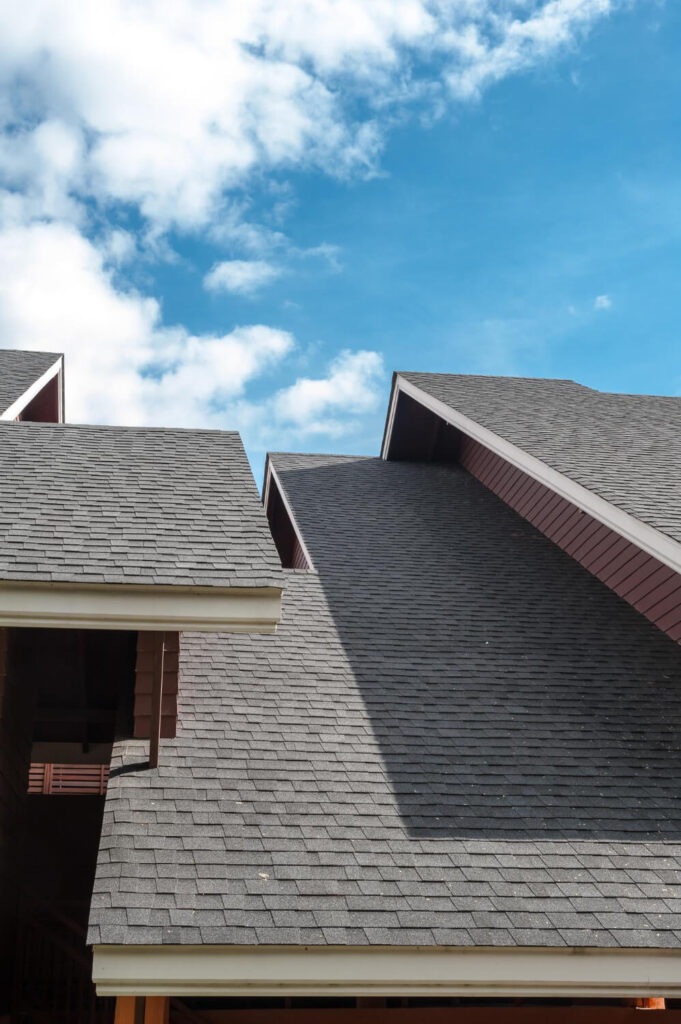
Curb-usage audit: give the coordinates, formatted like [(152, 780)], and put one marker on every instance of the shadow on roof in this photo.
[(511, 693)]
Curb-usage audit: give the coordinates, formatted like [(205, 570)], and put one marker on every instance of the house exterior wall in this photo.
[(143, 685), (646, 583)]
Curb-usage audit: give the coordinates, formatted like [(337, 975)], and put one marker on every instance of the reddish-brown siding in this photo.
[(143, 681), (651, 587), (44, 407)]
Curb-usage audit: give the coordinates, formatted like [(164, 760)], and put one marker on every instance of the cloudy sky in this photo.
[(245, 215)]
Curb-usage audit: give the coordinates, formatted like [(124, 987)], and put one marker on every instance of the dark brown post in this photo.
[(157, 1010), (156, 699), (127, 1009)]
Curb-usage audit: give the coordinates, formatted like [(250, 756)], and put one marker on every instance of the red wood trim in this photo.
[(68, 779), (156, 698), (157, 1010), (640, 579), (143, 685), (125, 1010)]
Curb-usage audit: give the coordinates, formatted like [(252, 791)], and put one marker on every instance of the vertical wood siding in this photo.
[(143, 685), (651, 587)]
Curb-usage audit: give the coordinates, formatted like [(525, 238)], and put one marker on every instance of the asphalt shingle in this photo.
[(456, 736), (131, 505), (19, 370), (624, 448)]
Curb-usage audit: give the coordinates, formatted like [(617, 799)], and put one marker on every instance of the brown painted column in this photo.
[(157, 1010), (156, 699), (129, 1010)]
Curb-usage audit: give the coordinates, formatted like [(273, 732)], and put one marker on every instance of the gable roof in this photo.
[(624, 448), (113, 507), (131, 505), (457, 737), (19, 370)]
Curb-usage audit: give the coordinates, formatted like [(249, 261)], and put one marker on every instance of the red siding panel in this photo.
[(143, 685), (649, 586)]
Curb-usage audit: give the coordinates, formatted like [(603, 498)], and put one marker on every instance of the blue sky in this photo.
[(421, 188)]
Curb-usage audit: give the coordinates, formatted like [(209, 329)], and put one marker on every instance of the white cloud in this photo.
[(161, 115), (169, 106), (318, 406), (506, 38), (241, 277), (602, 302), (123, 364)]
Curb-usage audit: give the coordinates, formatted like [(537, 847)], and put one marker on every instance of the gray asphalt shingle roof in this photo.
[(625, 448), (131, 505), (19, 370), (457, 736)]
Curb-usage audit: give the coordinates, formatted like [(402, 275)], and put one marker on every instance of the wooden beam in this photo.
[(650, 1003), (126, 1010), (156, 699), (157, 1010)]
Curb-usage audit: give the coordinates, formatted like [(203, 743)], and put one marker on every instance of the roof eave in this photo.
[(18, 406), (98, 606), (646, 537), (421, 971)]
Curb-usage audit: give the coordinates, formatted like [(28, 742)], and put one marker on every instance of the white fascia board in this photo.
[(20, 404), (205, 609), (271, 475), (645, 537), (385, 971)]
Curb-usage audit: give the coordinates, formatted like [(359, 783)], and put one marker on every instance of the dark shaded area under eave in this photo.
[(511, 693)]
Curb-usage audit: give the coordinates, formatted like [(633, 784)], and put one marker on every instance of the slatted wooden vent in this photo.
[(68, 779)]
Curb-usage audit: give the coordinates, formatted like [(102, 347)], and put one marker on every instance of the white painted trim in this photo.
[(207, 609), (271, 474), (645, 537), (385, 971), (20, 404)]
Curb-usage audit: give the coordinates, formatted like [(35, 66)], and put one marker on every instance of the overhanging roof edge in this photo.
[(213, 970), (648, 538), (100, 606)]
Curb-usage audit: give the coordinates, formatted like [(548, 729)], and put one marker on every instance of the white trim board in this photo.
[(205, 609), (385, 971), (271, 474), (20, 404), (645, 537)]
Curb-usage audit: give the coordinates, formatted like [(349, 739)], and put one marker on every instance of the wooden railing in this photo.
[(68, 779)]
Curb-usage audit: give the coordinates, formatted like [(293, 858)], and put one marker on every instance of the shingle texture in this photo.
[(128, 505), (457, 736), (19, 370), (625, 448)]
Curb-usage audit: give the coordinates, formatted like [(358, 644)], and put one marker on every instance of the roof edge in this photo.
[(646, 537), (271, 476), (116, 606), (17, 407), (501, 971)]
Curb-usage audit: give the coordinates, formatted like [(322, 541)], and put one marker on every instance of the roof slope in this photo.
[(457, 736), (18, 370), (84, 504), (625, 448)]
